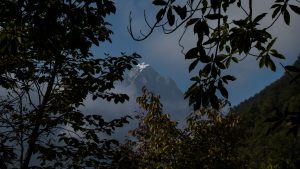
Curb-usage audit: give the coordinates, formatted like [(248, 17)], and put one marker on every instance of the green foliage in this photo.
[(207, 142), (221, 40), (157, 134), (46, 72)]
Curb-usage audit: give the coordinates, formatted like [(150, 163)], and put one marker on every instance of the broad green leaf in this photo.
[(235, 59), (296, 9), (229, 77), (271, 44), (227, 48), (220, 65), (241, 23), (272, 65), (259, 17), (204, 58), (193, 65), (222, 90), (286, 16), (192, 54), (239, 3), (276, 11), (276, 54), (214, 71), (159, 2), (181, 11), (204, 8), (160, 14), (207, 69), (205, 28), (191, 21), (170, 17), (198, 28), (262, 62), (213, 16), (220, 57), (275, 6), (214, 102), (195, 78)]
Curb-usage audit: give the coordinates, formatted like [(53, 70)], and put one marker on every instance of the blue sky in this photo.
[(163, 53)]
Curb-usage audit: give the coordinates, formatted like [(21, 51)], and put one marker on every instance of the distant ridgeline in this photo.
[(276, 149), (170, 94)]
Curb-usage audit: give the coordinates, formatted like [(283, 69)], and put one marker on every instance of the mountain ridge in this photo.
[(276, 149)]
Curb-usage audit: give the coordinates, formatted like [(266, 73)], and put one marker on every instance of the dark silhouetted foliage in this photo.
[(46, 73)]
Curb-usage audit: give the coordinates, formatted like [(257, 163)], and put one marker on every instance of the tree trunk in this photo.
[(39, 115)]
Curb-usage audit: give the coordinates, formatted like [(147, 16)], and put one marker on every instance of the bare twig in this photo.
[(179, 41), (156, 25)]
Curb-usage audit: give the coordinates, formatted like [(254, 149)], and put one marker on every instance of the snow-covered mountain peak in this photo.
[(142, 66)]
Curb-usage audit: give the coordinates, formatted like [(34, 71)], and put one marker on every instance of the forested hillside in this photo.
[(278, 148)]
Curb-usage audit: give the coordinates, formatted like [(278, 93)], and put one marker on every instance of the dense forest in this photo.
[(269, 144)]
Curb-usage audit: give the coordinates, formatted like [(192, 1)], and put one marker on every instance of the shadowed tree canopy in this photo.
[(46, 72)]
